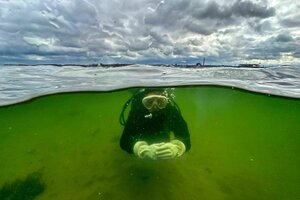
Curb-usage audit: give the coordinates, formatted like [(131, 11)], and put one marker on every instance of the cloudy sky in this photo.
[(150, 31)]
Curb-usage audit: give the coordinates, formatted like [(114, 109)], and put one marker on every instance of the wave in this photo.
[(21, 83)]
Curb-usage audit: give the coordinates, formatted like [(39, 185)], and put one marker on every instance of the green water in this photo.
[(244, 146)]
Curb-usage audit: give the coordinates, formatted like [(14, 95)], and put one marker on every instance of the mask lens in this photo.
[(162, 102), (148, 102), (159, 100)]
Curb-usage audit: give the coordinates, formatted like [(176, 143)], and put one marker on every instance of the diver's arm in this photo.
[(130, 133), (180, 128), (128, 138)]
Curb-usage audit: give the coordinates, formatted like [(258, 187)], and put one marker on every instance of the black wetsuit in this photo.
[(156, 129)]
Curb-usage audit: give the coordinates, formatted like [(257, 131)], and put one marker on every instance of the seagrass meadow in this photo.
[(245, 145)]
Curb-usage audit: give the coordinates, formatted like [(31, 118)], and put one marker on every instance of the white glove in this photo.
[(172, 149), (143, 150)]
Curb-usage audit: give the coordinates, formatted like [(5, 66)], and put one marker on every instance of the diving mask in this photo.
[(155, 102)]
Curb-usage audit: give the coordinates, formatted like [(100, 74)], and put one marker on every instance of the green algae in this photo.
[(244, 146)]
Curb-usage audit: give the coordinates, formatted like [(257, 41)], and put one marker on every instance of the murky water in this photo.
[(244, 146)]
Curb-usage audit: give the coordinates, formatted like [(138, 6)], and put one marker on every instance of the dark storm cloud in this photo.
[(144, 30), (238, 9), (284, 37), (201, 28), (261, 26), (250, 9), (205, 18), (212, 10), (170, 14), (291, 22), (47, 28), (275, 47), (297, 54)]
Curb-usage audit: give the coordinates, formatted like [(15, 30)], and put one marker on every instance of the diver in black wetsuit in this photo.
[(155, 128)]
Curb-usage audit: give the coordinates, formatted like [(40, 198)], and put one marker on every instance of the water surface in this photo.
[(20, 83)]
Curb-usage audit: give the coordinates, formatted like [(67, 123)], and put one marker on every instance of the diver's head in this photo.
[(155, 99)]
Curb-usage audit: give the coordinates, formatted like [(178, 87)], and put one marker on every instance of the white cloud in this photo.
[(150, 31), (38, 41)]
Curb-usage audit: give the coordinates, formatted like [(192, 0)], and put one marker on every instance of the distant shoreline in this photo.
[(122, 65)]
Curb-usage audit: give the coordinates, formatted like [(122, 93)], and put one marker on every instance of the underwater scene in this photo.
[(244, 145), (149, 99)]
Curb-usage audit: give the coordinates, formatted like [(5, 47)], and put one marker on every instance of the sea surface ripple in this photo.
[(20, 83)]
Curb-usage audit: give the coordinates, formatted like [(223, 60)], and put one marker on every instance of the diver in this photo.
[(155, 128)]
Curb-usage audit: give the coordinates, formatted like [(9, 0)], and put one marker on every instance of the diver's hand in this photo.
[(142, 150), (169, 150)]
